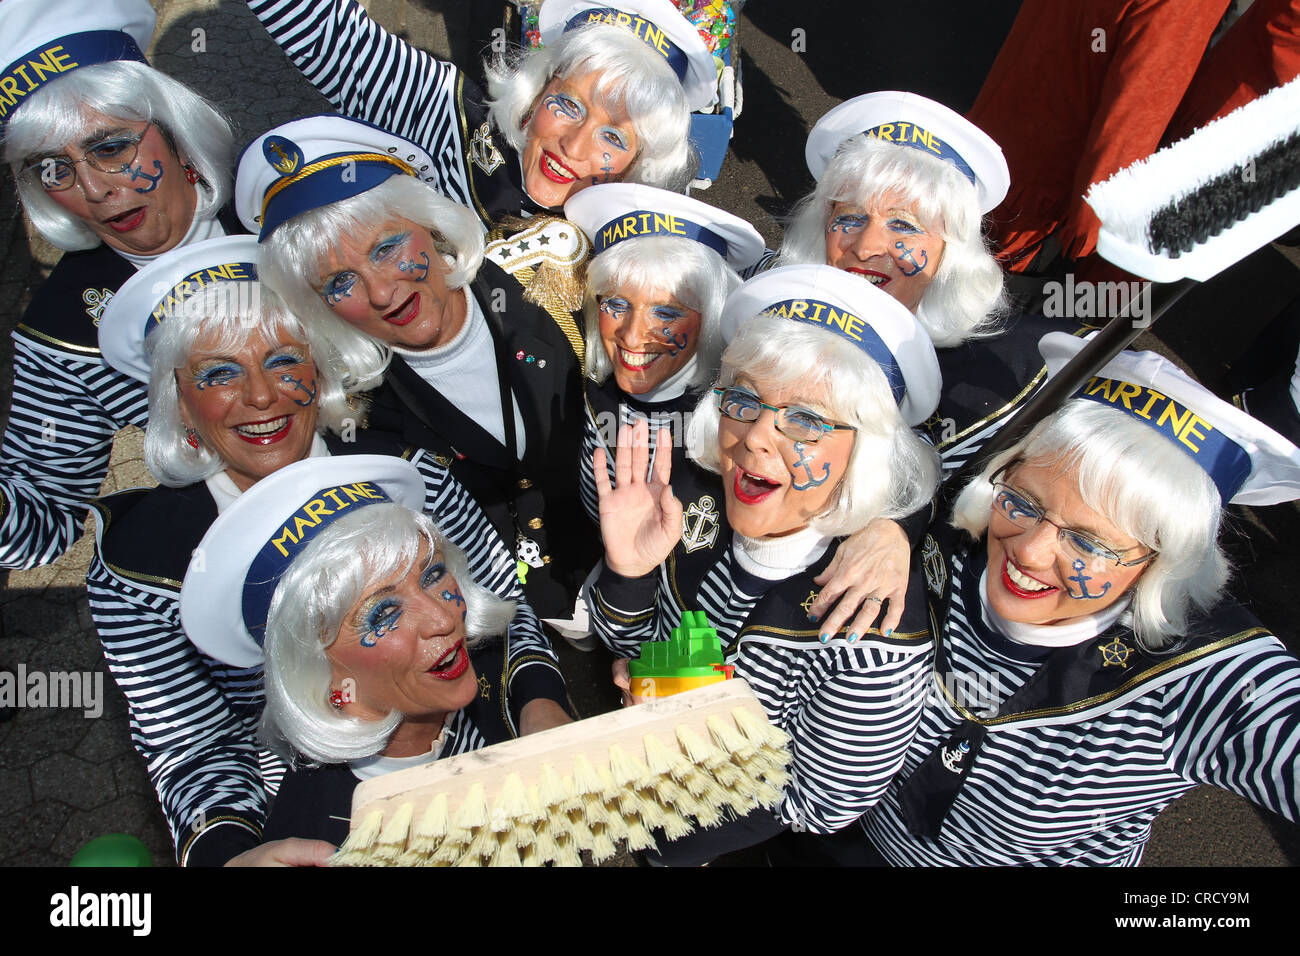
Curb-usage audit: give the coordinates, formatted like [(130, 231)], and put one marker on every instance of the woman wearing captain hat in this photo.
[(902, 184), (239, 388), (1094, 670), (361, 245), (608, 98), (116, 163), (809, 429)]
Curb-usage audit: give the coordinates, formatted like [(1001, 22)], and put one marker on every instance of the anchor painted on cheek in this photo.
[(138, 173), (676, 343), (607, 169), (411, 266), (300, 386), (455, 598), (1083, 580), (804, 462), (908, 257)]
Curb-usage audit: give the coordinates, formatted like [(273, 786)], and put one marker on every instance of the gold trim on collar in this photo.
[(83, 349), (1144, 677)]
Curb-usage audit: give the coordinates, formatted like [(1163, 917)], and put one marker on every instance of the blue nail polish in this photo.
[(813, 618), (825, 638), (889, 633), (853, 638)]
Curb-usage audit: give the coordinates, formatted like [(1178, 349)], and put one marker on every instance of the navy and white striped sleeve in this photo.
[(532, 669), (624, 611), (198, 744), (850, 731), (371, 75), (54, 457), (1236, 725)]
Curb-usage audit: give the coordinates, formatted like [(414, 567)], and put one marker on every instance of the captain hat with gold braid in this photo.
[(315, 161)]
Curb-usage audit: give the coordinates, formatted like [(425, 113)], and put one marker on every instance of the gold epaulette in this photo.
[(548, 257)]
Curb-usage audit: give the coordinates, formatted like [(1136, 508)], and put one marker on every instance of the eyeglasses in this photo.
[(1026, 514), (792, 421), (112, 155)]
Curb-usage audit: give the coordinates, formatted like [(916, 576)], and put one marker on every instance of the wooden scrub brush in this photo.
[(671, 764)]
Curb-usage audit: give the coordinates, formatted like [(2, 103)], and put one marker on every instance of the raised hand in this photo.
[(640, 518)]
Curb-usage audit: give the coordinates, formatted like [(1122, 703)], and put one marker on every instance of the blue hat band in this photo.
[(27, 74), (857, 330), (644, 222), (652, 36), (298, 531), (196, 282), (903, 133), (322, 182), (1226, 462)]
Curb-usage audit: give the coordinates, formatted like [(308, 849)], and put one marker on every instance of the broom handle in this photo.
[(1113, 338)]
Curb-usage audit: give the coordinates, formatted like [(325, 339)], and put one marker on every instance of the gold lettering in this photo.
[(316, 509), (1145, 410), (62, 61), (285, 533), (1169, 414), (21, 70), (10, 86), (853, 327), (1190, 429), (1126, 390), (333, 495), (299, 523), (798, 310)]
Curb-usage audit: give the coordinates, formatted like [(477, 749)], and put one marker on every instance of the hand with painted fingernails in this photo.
[(640, 518), (867, 577)]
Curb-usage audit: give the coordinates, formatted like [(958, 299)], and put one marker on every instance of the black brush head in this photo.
[(1225, 200)]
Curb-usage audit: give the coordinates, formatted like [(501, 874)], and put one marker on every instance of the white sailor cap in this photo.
[(235, 570), (907, 119), (844, 305), (614, 212), (154, 292), (656, 23), (40, 40), (313, 162), (1249, 462)]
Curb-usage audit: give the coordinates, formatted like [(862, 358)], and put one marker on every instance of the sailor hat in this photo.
[(907, 119), (844, 305), (1250, 463), (155, 291), (313, 162), (44, 39), (614, 212), (657, 23), (235, 570)]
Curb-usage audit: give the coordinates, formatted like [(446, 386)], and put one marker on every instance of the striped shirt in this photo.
[(372, 75), (194, 719), (850, 709), (1084, 787), (67, 405)]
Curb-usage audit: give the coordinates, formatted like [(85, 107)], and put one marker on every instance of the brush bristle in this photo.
[(672, 783)]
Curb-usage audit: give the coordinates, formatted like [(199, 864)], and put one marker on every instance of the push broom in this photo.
[(669, 764), (1178, 217)]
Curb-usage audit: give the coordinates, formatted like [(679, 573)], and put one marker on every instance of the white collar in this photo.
[(674, 386), (369, 767), (775, 559)]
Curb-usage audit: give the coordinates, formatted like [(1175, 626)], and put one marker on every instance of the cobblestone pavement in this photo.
[(65, 778)]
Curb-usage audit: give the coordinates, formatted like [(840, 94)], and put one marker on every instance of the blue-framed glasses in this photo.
[(793, 421)]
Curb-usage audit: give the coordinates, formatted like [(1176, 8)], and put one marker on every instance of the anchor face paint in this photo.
[(247, 404), (886, 243), (648, 336), (572, 142), (774, 484), (145, 210), (390, 283), (1032, 578), (403, 644)]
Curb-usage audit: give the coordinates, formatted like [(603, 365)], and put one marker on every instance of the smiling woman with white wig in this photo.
[(808, 428)]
